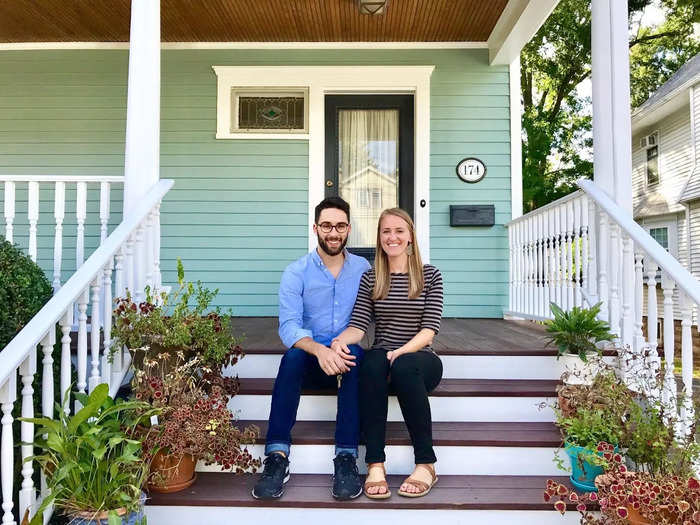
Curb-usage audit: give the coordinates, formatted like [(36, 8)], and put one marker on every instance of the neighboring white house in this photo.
[(666, 169)]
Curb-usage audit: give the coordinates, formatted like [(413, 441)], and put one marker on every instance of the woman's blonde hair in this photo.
[(381, 262)]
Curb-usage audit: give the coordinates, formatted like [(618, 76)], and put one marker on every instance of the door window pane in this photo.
[(368, 169)]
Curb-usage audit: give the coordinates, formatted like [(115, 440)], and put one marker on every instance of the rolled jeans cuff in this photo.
[(346, 450), (277, 447)]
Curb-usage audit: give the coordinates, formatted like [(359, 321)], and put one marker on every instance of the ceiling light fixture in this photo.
[(372, 7)]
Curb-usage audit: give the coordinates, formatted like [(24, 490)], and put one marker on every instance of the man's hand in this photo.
[(334, 361)]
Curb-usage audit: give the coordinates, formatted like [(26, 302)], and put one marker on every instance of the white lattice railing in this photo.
[(129, 258), (583, 249), (30, 188)]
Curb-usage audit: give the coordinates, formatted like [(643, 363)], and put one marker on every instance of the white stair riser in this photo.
[(476, 461), (490, 409), (454, 367), (158, 515)]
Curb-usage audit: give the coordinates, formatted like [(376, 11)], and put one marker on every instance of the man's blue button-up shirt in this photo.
[(315, 304)]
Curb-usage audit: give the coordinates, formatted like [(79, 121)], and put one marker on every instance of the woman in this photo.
[(404, 297)]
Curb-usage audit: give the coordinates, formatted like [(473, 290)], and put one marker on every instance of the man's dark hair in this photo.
[(332, 202)]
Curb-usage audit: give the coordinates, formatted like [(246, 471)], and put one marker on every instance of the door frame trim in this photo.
[(404, 104), (346, 80)]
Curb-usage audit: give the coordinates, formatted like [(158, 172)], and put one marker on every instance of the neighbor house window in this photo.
[(652, 161), (660, 235)]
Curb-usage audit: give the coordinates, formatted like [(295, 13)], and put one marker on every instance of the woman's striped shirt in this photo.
[(398, 319)]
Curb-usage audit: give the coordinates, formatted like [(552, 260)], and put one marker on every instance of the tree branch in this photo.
[(647, 38)]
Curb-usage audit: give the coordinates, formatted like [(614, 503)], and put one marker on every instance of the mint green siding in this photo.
[(238, 212)]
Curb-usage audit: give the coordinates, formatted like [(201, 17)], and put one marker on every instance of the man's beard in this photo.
[(331, 251)]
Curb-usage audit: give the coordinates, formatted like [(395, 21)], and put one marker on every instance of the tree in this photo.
[(556, 118)]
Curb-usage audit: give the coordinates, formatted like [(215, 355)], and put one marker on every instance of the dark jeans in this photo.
[(301, 370), (412, 376)]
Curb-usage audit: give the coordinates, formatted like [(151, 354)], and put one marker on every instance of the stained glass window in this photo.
[(260, 112)]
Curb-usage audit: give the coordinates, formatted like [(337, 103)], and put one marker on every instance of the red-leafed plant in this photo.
[(655, 499)]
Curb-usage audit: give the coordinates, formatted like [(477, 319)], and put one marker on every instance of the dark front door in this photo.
[(369, 160)]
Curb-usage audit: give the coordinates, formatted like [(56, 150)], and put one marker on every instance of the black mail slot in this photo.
[(472, 215)]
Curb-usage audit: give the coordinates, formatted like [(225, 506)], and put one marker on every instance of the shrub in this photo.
[(24, 289)]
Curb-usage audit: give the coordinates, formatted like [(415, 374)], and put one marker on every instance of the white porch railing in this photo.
[(77, 187), (131, 252), (583, 249)]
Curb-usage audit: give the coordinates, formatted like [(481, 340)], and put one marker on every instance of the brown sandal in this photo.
[(421, 485), (383, 483)]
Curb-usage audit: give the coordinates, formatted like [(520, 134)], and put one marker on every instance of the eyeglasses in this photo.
[(327, 227)]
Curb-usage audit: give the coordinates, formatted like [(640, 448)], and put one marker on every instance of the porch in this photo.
[(494, 443), (242, 209)]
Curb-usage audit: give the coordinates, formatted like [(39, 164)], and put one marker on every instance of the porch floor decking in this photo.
[(456, 337)]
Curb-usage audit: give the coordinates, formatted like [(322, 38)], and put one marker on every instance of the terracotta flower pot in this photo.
[(170, 473), (101, 518), (635, 517)]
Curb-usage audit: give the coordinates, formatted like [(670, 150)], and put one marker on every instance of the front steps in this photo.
[(492, 426), (473, 500), (502, 400)]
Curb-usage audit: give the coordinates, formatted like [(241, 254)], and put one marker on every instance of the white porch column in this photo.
[(142, 156), (612, 141)]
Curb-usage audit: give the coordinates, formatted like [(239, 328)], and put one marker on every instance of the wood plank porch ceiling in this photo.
[(253, 21)]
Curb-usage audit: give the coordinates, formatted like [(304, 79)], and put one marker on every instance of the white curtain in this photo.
[(368, 168)]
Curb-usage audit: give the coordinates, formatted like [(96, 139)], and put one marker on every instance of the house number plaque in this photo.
[(471, 170)]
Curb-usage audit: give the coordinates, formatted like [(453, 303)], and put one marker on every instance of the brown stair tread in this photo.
[(457, 337), (312, 491), (474, 434), (446, 388)]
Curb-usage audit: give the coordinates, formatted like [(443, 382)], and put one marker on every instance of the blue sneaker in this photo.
[(274, 476), (346, 480)]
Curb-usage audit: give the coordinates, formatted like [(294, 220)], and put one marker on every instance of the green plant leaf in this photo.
[(95, 400), (113, 518)]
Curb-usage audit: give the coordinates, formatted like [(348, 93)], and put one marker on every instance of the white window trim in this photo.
[(323, 80), (658, 161)]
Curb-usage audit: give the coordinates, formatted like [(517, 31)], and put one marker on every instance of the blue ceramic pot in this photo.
[(133, 518), (583, 473)]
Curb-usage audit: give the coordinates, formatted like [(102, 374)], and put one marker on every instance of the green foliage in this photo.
[(24, 290), (179, 322), (556, 118), (588, 427), (91, 460), (577, 332)]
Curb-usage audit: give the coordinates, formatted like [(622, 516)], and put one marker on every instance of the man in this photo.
[(316, 297)]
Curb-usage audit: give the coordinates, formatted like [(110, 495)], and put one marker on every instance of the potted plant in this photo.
[(577, 334), (194, 423), (179, 350), (93, 463), (633, 498), (583, 432)]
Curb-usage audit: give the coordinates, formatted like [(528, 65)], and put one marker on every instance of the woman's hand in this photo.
[(392, 355)]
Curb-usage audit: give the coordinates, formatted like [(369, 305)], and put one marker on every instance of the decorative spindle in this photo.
[(96, 287), (602, 263), (628, 291), (66, 324), (615, 279), (570, 247), (157, 278), (9, 210), (82, 342), (687, 412), (119, 284), (669, 388), (33, 216), (8, 396), (108, 368), (59, 213), (638, 344), (27, 369)]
